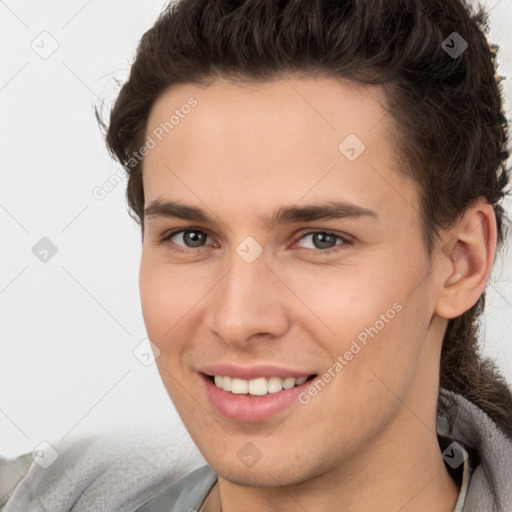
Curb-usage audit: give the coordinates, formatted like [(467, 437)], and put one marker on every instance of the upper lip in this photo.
[(253, 371)]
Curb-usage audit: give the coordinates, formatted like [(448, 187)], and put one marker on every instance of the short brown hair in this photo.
[(446, 109)]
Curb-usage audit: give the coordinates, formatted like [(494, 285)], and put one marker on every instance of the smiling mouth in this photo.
[(259, 386)]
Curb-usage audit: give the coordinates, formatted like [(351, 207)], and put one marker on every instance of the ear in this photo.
[(465, 260)]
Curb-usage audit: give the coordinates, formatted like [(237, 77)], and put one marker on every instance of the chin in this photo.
[(270, 472)]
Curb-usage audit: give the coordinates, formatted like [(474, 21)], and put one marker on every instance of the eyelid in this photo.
[(346, 239), (343, 236), (166, 239)]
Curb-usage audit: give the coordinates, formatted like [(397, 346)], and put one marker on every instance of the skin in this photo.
[(367, 441)]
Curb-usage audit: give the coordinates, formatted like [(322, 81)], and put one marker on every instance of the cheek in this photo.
[(167, 295), (342, 301), (153, 296), (368, 317), (165, 300)]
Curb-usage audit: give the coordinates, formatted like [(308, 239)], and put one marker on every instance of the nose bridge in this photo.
[(247, 301)]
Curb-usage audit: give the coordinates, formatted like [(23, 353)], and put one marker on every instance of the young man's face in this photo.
[(352, 305)]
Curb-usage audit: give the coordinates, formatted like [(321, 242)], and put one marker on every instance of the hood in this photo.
[(490, 455)]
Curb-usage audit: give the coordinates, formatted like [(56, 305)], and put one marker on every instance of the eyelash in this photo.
[(346, 241)]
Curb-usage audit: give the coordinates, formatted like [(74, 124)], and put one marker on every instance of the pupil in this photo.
[(194, 237), (323, 237)]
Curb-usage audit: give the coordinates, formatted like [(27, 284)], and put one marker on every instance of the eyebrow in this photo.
[(283, 215)]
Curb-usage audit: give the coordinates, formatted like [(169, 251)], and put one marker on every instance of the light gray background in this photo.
[(69, 327)]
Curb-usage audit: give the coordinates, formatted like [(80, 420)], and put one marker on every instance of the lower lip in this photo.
[(249, 408)]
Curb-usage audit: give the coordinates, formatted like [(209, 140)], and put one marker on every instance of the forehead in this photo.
[(282, 141)]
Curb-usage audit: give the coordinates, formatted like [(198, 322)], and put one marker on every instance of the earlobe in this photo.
[(466, 260)]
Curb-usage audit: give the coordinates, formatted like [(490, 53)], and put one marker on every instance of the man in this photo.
[(318, 188)]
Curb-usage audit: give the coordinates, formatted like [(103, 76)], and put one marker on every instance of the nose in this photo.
[(248, 303)]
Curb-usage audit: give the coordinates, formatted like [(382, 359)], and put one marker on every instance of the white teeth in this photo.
[(301, 380), (239, 386), (259, 386), (288, 383), (226, 383), (274, 384)]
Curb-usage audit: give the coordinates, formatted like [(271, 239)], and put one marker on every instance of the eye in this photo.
[(324, 241), (192, 238)]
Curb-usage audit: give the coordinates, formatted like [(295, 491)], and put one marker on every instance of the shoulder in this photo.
[(490, 453), (116, 471), (184, 495)]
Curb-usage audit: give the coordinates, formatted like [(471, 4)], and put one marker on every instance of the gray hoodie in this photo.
[(142, 472)]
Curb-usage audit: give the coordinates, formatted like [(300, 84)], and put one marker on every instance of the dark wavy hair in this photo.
[(447, 112)]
